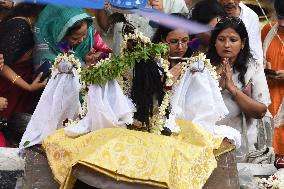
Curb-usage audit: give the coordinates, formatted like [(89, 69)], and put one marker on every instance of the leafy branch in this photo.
[(111, 68)]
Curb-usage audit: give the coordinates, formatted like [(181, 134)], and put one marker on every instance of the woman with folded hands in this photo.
[(243, 83)]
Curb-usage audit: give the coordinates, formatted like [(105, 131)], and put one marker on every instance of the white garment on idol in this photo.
[(107, 107), (59, 101), (197, 98)]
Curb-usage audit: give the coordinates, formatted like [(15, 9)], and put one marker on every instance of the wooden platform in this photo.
[(38, 173)]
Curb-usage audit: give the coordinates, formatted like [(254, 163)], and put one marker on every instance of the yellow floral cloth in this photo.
[(179, 162)]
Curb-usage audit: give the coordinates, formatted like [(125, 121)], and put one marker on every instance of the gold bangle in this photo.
[(15, 79)]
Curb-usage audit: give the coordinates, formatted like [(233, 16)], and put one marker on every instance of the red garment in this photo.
[(19, 100), (2, 140), (99, 44)]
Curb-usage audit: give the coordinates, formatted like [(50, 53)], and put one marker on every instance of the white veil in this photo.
[(59, 101), (197, 98), (107, 107)]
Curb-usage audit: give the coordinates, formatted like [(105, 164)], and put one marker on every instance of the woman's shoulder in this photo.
[(254, 65), (254, 69), (266, 28)]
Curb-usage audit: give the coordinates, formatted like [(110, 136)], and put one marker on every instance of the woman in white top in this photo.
[(244, 85)]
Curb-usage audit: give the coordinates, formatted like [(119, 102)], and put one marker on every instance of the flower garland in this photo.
[(137, 36), (275, 181), (117, 67), (159, 121), (68, 58), (114, 67), (125, 82)]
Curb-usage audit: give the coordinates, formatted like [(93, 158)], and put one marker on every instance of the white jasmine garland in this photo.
[(125, 82), (275, 181), (69, 58), (159, 121), (135, 36), (84, 108)]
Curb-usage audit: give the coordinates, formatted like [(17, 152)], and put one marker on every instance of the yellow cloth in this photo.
[(179, 162)]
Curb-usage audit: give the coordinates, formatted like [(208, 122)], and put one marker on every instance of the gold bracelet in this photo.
[(15, 79)]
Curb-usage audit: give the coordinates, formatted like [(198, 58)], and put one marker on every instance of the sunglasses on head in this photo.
[(230, 19)]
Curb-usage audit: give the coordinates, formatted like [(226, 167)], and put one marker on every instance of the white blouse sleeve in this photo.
[(260, 91)]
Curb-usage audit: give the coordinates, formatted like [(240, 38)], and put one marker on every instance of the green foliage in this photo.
[(112, 68)]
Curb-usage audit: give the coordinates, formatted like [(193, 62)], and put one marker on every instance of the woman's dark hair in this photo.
[(75, 27), (147, 85), (163, 31), (244, 55), (24, 10), (204, 11), (279, 7)]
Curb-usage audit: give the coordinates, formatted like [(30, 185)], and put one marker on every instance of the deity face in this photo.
[(229, 44), (78, 36), (230, 6), (178, 43)]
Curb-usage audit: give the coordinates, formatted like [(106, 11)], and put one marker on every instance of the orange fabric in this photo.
[(278, 140), (275, 55)]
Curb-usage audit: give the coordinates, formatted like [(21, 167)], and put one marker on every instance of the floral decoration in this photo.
[(114, 67), (117, 67), (68, 58), (275, 181), (159, 121)]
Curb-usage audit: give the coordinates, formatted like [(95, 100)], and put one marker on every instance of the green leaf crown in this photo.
[(135, 49)]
